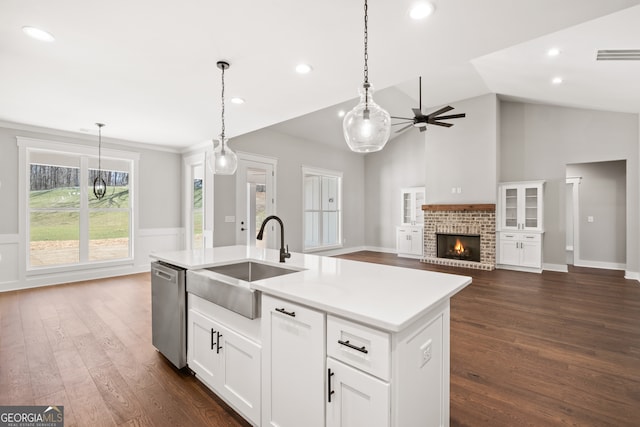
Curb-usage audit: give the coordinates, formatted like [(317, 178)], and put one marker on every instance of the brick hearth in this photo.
[(461, 219)]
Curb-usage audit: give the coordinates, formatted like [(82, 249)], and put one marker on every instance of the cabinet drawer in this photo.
[(359, 346), (534, 237), (509, 236)]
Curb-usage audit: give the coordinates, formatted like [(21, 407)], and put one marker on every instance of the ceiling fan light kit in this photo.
[(367, 126), (225, 160)]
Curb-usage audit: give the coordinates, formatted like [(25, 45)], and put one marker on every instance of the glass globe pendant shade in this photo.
[(225, 161), (367, 126)]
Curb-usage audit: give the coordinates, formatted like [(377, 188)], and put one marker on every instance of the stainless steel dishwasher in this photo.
[(168, 312)]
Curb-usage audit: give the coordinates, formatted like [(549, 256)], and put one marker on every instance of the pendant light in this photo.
[(367, 127), (99, 184), (225, 160)]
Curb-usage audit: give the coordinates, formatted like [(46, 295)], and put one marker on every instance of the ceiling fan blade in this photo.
[(452, 116), (402, 118), (402, 123), (404, 128), (440, 111), (447, 125), (417, 112)]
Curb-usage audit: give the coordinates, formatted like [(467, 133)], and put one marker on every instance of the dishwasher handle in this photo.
[(170, 275)]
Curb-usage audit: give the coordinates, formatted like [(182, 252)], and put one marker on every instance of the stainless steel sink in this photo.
[(251, 271), (229, 285)]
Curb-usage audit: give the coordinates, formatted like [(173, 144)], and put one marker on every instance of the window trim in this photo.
[(311, 170), (25, 144)]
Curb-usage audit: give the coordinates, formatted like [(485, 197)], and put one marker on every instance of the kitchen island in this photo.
[(338, 342)]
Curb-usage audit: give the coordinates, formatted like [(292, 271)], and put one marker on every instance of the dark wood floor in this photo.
[(553, 349)]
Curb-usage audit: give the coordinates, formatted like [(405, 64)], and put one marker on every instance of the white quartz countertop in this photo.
[(386, 297)]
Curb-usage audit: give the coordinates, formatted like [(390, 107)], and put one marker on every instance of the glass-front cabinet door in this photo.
[(521, 206), (411, 204)]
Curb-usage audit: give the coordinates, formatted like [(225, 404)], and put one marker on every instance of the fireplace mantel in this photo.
[(489, 207)]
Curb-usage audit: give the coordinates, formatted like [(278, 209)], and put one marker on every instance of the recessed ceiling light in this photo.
[(38, 34), (556, 80), (421, 10), (303, 68), (341, 113), (237, 100), (554, 51)]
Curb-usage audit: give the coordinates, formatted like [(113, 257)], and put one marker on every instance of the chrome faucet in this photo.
[(283, 253)]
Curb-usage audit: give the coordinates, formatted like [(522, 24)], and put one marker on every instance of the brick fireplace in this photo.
[(473, 220)]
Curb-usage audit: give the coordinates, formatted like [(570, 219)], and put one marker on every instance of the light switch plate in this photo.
[(230, 218)]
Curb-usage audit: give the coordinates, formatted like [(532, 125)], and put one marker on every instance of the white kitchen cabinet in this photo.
[(520, 250), (412, 199), (293, 360), (410, 241), (227, 362), (355, 399), (520, 225), (521, 206)]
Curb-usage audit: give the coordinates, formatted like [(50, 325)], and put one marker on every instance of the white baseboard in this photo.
[(380, 249), (340, 251), (518, 268), (561, 268), (632, 275), (599, 264)]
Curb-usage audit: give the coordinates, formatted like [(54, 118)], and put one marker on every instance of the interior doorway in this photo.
[(255, 199), (596, 231)]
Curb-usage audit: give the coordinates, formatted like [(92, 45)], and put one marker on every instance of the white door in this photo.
[(255, 199), (293, 358), (355, 399)]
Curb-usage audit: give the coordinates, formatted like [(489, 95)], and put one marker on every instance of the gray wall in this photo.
[(602, 195), (159, 177), (464, 155), (538, 141), (400, 164), (292, 153)]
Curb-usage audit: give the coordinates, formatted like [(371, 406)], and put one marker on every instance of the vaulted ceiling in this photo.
[(147, 68)]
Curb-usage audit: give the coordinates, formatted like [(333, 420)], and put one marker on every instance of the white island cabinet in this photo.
[(338, 343), (223, 353)]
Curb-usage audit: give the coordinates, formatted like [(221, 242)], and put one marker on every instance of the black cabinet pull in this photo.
[(212, 332), (346, 343), (218, 346), (329, 391), (288, 313)]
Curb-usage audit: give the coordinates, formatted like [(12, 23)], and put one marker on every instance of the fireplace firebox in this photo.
[(458, 246)]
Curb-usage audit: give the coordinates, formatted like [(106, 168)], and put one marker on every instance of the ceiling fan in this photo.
[(422, 120)]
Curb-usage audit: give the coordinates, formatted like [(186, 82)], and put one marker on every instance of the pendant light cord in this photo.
[(366, 58), (99, 150), (223, 129)]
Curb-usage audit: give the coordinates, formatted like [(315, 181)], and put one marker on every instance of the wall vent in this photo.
[(618, 55)]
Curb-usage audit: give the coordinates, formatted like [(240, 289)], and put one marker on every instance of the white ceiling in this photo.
[(147, 68)]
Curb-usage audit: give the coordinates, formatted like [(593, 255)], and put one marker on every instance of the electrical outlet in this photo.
[(425, 353)]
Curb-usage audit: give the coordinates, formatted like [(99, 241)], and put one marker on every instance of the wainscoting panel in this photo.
[(9, 272)]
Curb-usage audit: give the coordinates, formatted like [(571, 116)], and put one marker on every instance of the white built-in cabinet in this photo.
[(520, 225), (293, 364), (410, 241), (409, 235), (225, 360)]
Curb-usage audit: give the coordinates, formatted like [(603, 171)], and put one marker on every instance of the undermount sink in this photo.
[(229, 285)]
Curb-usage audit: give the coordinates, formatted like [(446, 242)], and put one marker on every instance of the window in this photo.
[(322, 209), (66, 224)]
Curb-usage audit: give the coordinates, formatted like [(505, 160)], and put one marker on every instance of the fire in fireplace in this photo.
[(459, 246)]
